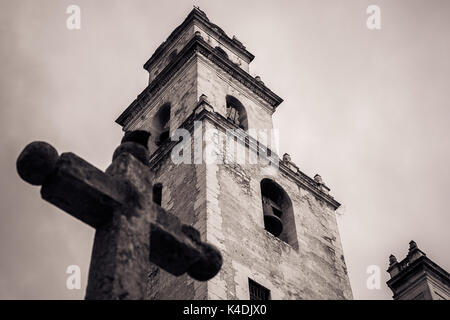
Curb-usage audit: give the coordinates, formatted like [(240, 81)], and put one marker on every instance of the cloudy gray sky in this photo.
[(368, 110)]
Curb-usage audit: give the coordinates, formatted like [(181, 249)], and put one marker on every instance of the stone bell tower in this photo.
[(274, 225)]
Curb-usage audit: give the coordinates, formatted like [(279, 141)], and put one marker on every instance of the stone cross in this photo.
[(131, 230)]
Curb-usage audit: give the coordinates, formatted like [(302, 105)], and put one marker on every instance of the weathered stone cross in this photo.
[(131, 230)]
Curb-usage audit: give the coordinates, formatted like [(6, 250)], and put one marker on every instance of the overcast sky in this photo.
[(368, 110)]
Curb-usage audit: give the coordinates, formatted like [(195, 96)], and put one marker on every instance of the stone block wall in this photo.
[(316, 270), (183, 194), (223, 201)]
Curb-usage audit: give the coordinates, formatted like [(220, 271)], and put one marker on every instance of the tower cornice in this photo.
[(202, 112), (199, 16), (197, 45)]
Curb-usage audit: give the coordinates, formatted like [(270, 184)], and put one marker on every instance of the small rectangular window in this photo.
[(157, 193), (257, 291)]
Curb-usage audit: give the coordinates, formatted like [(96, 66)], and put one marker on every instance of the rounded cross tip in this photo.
[(139, 136), (137, 150), (36, 162), (208, 265)]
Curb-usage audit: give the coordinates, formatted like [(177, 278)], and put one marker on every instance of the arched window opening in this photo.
[(278, 212), (236, 112), (161, 124), (157, 194), (222, 52)]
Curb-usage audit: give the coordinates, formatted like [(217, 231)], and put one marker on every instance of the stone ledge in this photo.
[(205, 111), (197, 46), (198, 15)]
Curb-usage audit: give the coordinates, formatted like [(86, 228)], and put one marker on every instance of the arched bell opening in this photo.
[(161, 124), (236, 112), (278, 212)]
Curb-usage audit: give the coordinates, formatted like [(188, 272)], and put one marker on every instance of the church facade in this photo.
[(274, 225)]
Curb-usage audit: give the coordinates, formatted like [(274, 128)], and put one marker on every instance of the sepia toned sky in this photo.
[(368, 110)]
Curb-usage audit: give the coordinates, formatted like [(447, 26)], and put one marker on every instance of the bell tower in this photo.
[(214, 159)]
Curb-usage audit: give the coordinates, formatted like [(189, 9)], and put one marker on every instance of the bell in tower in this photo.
[(272, 214)]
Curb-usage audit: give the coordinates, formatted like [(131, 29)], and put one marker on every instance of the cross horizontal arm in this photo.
[(177, 248), (84, 191)]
